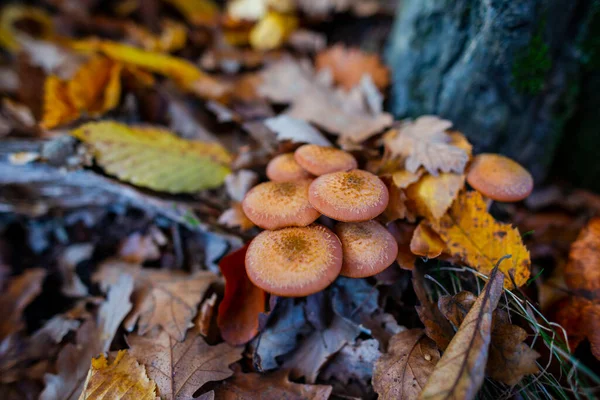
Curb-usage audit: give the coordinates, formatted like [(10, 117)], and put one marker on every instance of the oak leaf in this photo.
[(425, 142), (273, 386), (425, 242), (242, 303), (154, 157), (473, 235), (582, 273), (181, 368), (19, 293), (460, 372), (124, 378), (432, 195), (349, 65), (402, 372)]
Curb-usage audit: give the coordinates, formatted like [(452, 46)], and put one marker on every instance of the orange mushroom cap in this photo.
[(368, 248), (284, 167), (294, 261), (499, 178), (351, 196), (274, 205), (320, 160)]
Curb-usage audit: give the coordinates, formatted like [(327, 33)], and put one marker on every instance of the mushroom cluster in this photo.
[(294, 255)]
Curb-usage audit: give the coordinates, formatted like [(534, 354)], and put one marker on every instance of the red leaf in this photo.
[(242, 303)]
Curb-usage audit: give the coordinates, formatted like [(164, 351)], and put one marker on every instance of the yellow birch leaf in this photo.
[(433, 195), (155, 158), (58, 108), (425, 242), (124, 379), (13, 13), (272, 31), (472, 234)]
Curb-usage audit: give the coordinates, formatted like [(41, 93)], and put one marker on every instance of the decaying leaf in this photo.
[(425, 242), (582, 272), (154, 157), (433, 195), (353, 361), (460, 372), (581, 319), (273, 386), (473, 235), (425, 142), (402, 372), (181, 368), (242, 302), (124, 378), (349, 65), (20, 291)]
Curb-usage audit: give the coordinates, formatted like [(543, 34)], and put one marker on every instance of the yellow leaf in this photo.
[(172, 37), (425, 242), (13, 13), (124, 379), (403, 178), (58, 108), (155, 158), (473, 235), (272, 31), (433, 195), (197, 12), (96, 86)]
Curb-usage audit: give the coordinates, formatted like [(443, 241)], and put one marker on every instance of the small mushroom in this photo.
[(368, 248), (499, 178), (351, 196), (320, 160), (294, 262), (284, 168), (274, 205)]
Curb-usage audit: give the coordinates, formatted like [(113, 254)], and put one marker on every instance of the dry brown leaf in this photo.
[(181, 368), (137, 248), (162, 298), (123, 379), (424, 142), (473, 235), (459, 373), (273, 386), (581, 319), (402, 372), (349, 65), (432, 195), (397, 207), (19, 292), (352, 115), (425, 242), (582, 272)]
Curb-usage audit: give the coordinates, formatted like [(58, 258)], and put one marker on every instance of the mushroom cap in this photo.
[(499, 178), (294, 262), (320, 160), (351, 196), (368, 248), (274, 205), (284, 168)]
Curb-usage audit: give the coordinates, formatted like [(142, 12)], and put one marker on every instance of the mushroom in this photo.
[(368, 248), (284, 168), (295, 261), (499, 178), (320, 160), (351, 196), (274, 205)]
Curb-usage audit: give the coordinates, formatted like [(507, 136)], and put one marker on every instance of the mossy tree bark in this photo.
[(505, 72)]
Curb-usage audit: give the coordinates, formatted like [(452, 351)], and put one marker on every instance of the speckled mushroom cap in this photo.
[(294, 262), (368, 248), (320, 160), (284, 168), (351, 196), (499, 178), (274, 205)]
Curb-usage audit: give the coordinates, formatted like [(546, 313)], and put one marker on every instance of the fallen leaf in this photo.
[(353, 361), (124, 378), (137, 248), (424, 142), (432, 195), (348, 66), (312, 98), (402, 372), (473, 235), (273, 386), (18, 294), (580, 318), (58, 108), (242, 303), (204, 319), (155, 158), (272, 30), (67, 262), (181, 368), (295, 130), (161, 298), (197, 12), (459, 373), (581, 272), (425, 242), (172, 37), (403, 233)]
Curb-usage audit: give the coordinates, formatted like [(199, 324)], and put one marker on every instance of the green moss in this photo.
[(532, 64)]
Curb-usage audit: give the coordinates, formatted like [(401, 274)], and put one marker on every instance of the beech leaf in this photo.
[(459, 373), (155, 158)]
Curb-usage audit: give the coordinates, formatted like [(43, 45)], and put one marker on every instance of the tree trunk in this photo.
[(504, 71)]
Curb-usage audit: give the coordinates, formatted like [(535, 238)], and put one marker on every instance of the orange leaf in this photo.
[(425, 242), (581, 319), (582, 271), (433, 195), (96, 86), (242, 303), (58, 108), (473, 235)]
